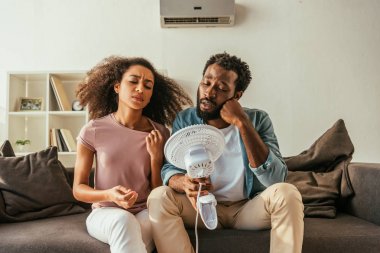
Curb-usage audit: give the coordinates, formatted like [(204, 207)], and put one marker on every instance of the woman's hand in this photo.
[(122, 196), (155, 145)]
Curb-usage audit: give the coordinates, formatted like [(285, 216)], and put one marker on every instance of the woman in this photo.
[(129, 103)]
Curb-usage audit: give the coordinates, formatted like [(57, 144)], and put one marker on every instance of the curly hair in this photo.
[(97, 90), (235, 64)]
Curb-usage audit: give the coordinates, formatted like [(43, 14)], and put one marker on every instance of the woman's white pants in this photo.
[(122, 230)]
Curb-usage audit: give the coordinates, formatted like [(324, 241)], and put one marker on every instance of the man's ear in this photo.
[(116, 87), (238, 94)]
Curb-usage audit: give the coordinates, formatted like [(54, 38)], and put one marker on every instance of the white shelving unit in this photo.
[(36, 125)]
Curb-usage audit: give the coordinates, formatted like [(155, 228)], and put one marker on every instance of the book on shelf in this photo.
[(63, 143), (69, 140), (53, 137), (63, 140), (60, 94), (57, 139)]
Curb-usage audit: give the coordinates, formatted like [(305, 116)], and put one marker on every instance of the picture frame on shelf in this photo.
[(31, 104)]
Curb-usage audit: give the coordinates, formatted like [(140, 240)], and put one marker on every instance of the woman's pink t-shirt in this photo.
[(121, 157)]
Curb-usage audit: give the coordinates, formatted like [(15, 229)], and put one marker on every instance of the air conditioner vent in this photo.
[(197, 13), (198, 20)]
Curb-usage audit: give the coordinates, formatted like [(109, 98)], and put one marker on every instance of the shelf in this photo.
[(36, 125), (67, 153), (22, 153), (28, 127), (68, 113), (27, 114)]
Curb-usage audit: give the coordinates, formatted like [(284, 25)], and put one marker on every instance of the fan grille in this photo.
[(201, 169), (179, 143)]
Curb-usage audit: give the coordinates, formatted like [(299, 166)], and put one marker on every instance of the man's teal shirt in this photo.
[(274, 169)]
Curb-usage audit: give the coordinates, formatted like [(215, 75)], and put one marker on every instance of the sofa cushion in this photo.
[(65, 234), (320, 191), (325, 153), (313, 171), (34, 186), (6, 149), (345, 233)]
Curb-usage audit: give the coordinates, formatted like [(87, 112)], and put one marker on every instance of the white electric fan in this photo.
[(194, 149)]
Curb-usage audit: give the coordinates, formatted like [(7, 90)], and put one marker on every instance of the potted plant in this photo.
[(22, 145)]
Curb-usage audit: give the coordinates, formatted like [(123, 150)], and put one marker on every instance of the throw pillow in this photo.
[(319, 190), (326, 152), (6, 149), (320, 172), (34, 186)]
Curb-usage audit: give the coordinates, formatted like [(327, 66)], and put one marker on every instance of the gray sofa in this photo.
[(355, 229)]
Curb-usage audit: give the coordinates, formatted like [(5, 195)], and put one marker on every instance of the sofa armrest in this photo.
[(365, 181)]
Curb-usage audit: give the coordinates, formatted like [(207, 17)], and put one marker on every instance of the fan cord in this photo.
[(196, 218)]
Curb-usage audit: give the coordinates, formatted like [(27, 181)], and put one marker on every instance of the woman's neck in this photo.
[(132, 119)]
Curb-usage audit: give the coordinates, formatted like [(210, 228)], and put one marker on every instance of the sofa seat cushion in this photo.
[(230, 240), (59, 234), (345, 233)]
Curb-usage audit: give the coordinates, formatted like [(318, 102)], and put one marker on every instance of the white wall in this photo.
[(313, 61)]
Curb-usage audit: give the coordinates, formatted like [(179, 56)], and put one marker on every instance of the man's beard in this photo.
[(206, 116)]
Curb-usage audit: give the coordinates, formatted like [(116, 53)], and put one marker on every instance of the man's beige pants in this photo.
[(279, 207)]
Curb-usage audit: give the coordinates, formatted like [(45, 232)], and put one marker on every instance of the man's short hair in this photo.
[(235, 64)]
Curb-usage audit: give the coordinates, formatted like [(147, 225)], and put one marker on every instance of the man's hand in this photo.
[(257, 151), (233, 113), (122, 196), (184, 184)]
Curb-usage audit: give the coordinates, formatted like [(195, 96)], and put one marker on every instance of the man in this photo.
[(248, 177)]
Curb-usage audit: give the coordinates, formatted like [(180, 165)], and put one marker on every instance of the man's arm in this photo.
[(261, 147), (255, 147)]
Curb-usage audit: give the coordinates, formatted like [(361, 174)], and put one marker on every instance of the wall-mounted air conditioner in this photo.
[(197, 13)]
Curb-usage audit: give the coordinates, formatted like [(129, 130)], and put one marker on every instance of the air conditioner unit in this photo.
[(197, 13)]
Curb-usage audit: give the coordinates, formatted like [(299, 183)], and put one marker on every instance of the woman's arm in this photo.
[(155, 142), (83, 192), (155, 180)]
